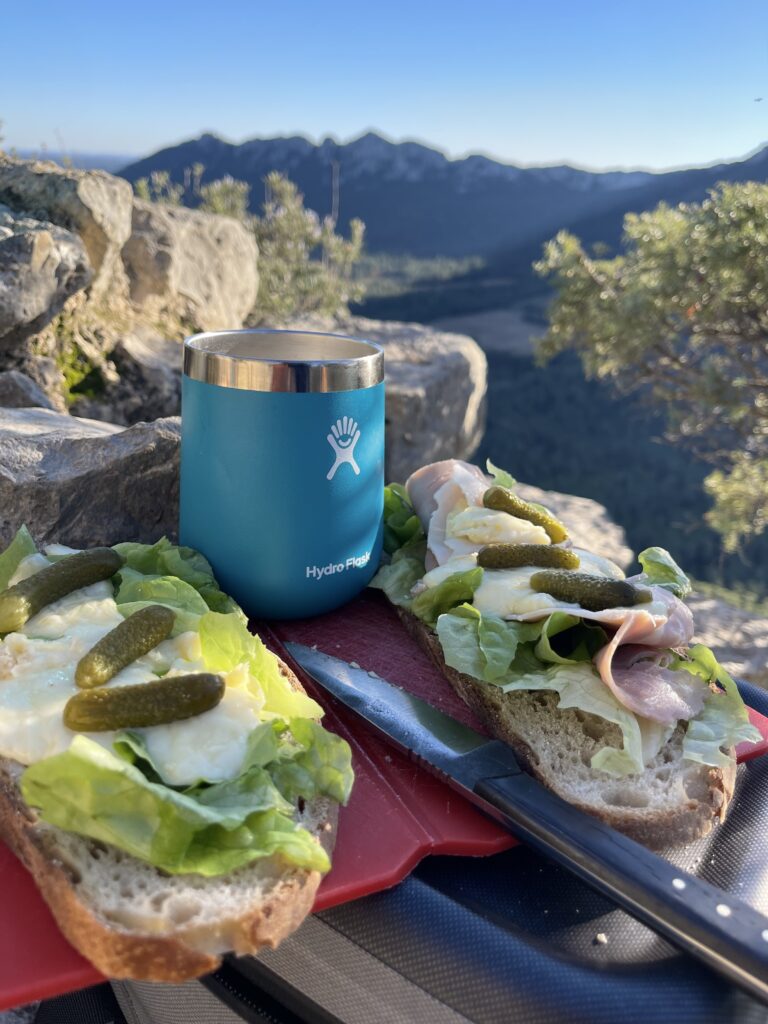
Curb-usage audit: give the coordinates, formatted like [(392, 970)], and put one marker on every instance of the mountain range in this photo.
[(415, 200)]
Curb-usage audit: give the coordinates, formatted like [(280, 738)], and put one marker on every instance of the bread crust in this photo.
[(126, 953), (656, 829)]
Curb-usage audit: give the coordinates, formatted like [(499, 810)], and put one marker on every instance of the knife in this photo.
[(723, 932)]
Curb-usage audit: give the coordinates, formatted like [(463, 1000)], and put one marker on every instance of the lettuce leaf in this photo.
[(226, 643), (579, 639), (723, 721), (20, 548), (137, 591), (314, 762), (457, 588), (500, 476), (90, 791), (660, 569), (398, 577), (484, 646), (402, 527), (186, 564)]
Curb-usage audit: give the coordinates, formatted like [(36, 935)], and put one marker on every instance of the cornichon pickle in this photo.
[(595, 593), (134, 637), (20, 602), (136, 707), (511, 556), (502, 500)]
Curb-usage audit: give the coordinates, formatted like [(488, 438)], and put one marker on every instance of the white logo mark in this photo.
[(343, 437)]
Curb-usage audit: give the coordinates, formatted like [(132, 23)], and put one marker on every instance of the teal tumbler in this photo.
[(282, 466)]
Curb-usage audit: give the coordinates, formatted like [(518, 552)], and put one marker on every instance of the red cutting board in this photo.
[(397, 813)]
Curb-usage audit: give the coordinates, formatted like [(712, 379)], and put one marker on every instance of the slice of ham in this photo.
[(633, 665), (438, 489)]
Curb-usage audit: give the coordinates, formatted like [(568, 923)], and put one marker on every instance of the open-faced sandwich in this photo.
[(162, 774), (590, 676)]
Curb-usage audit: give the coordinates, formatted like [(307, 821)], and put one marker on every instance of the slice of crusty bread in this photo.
[(132, 920), (672, 801)]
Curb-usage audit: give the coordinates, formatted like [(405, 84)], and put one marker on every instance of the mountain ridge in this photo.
[(416, 200)]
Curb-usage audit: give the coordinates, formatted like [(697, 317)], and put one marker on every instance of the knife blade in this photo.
[(704, 921)]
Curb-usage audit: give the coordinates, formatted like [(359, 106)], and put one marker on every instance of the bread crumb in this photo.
[(353, 664), (601, 939), (372, 674), (314, 647)]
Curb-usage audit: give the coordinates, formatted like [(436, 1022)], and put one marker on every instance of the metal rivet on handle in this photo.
[(678, 883), (723, 910)]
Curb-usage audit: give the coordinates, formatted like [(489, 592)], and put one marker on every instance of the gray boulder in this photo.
[(94, 204), (18, 391), (198, 266), (41, 266), (589, 523), (83, 482), (436, 384), (147, 384)]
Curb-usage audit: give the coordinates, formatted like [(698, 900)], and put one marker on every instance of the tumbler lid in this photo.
[(269, 360)]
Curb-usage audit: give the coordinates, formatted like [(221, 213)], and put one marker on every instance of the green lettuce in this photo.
[(660, 569), (402, 527), (578, 639), (723, 721), (20, 548), (226, 643), (500, 476), (211, 831), (457, 588), (397, 578), (136, 591), (186, 564), (312, 762), (481, 645)]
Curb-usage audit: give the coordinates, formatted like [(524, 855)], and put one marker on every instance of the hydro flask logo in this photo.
[(343, 437)]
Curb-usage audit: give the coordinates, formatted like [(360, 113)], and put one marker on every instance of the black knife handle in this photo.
[(700, 919)]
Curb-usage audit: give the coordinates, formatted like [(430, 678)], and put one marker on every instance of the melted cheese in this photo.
[(37, 677), (473, 527)]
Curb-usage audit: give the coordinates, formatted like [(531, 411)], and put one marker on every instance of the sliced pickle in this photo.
[(134, 637), (594, 593), (137, 707), (20, 602), (512, 556), (502, 500)]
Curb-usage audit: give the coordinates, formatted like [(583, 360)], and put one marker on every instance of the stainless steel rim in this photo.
[(299, 361)]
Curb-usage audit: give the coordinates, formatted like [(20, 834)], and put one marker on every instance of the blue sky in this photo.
[(600, 84)]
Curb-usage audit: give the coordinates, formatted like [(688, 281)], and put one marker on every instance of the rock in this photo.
[(436, 384), (148, 381), (738, 638), (199, 266), (94, 204), (18, 391), (41, 266), (83, 482), (589, 524), (44, 371)]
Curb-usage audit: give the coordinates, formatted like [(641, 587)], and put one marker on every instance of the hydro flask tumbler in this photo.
[(282, 465)]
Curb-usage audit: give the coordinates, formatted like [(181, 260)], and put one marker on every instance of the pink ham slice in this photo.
[(437, 489), (633, 666)]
